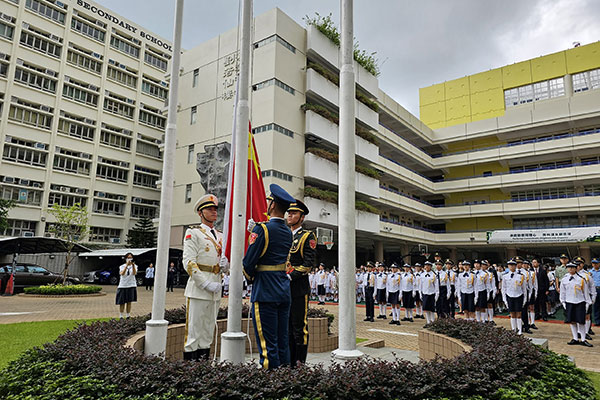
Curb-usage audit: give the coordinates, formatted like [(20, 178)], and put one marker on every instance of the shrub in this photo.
[(333, 157), (366, 207), (321, 313), (321, 194), (58, 290)]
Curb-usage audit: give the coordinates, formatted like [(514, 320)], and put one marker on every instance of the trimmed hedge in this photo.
[(58, 290), (332, 197), (91, 362), (333, 157)]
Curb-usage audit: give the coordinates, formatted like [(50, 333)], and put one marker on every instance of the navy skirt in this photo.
[(126, 295), (467, 300), (515, 304), (429, 302), (407, 300), (575, 313), (393, 298)]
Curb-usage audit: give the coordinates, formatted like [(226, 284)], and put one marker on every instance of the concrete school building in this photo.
[(512, 148), (82, 92)]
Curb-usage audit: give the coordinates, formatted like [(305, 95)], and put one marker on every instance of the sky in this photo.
[(418, 43)]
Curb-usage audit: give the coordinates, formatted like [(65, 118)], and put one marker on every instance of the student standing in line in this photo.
[(127, 289), (513, 294), (575, 298)]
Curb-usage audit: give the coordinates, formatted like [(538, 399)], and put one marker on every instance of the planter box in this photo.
[(433, 344)]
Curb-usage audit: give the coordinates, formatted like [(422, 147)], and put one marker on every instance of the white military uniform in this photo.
[(201, 255)]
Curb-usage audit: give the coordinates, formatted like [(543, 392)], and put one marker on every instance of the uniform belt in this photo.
[(270, 268), (301, 268), (215, 269)]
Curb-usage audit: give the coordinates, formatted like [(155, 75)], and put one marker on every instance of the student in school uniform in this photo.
[(321, 278), (393, 294), (532, 287), (580, 261), (513, 294), (418, 303), (380, 286), (465, 290), (450, 269), (430, 290), (408, 288), (481, 291), (369, 284), (441, 306), (491, 289), (575, 298), (524, 313)]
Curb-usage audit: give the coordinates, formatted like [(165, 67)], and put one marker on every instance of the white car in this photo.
[(90, 276)]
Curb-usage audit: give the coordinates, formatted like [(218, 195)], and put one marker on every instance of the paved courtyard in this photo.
[(404, 337)]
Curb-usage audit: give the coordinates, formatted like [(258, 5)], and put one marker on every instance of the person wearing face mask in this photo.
[(201, 254), (127, 289)]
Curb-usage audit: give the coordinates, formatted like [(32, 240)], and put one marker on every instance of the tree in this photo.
[(142, 235), (5, 206), (71, 226)]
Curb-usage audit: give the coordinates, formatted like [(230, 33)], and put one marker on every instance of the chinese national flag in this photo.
[(256, 200)]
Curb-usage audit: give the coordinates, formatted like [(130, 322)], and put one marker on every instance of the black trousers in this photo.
[(452, 301), (369, 302), (540, 304), (441, 306), (298, 331), (525, 315)]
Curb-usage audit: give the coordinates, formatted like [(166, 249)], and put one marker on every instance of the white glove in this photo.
[(251, 225), (564, 305), (476, 298), (212, 286), (224, 264), (448, 297), (436, 298)]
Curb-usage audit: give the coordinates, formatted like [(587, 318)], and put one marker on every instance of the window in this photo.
[(195, 77), (277, 174), (72, 161), (20, 194), (546, 222), (273, 127), (101, 234), (146, 177), (151, 116), (583, 81), (147, 146), (123, 74), (155, 87), (112, 170), (65, 198), (542, 194), (125, 45), (272, 39), (35, 77), (138, 211), (76, 126), (44, 9), (25, 152), (6, 31), (4, 62), (119, 105), (87, 27), (30, 114), (114, 138), (156, 60), (193, 115), (108, 207), (42, 42), (85, 59), (275, 82), (591, 190), (80, 92), (190, 155), (188, 193), (538, 91), (17, 227)]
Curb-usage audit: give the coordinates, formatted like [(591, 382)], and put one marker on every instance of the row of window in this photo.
[(545, 165), (276, 82), (272, 39), (587, 80), (545, 222), (273, 127), (534, 92), (277, 174), (46, 10), (537, 194)]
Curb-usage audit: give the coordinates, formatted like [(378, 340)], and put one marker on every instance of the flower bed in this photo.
[(90, 362), (62, 290)]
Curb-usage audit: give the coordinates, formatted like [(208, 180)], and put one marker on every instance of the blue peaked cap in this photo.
[(280, 195)]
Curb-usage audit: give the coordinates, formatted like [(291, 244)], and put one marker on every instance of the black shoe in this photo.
[(532, 326), (379, 316), (591, 332), (384, 317), (492, 323), (405, 319), (528, 331), (572, 342), (367, 319), (545, 319), (586, 344), (371, 319), (411, 320), (588, 337), (394, 322)]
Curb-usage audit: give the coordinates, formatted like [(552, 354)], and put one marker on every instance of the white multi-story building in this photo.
[(508, 149), (82, 92)]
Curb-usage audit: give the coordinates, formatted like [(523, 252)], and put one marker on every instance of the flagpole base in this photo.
[(233, 347), (346, 355)]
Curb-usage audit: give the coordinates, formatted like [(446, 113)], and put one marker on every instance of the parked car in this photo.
[(31, 275), (111, 276)]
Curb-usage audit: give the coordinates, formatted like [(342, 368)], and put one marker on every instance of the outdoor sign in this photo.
[(559, 235)]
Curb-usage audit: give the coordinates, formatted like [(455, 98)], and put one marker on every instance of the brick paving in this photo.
[(24, 309)]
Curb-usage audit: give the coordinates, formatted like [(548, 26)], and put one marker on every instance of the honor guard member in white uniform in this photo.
[(380, 285), (580, 261), (301, 261), (449, 264), (441, 305), (408, 289), (393, 290), (201, 254), (491, 289), (265, 265), (465, 290), (430, 292), (575, 298), (513, 294)]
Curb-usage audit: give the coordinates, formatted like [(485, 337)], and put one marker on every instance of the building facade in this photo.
[(508, 149), (82, 93)]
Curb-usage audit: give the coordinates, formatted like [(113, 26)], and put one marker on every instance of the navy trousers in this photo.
[(271, 324)]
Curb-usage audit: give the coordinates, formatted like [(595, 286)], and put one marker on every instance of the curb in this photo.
[(62, 296)]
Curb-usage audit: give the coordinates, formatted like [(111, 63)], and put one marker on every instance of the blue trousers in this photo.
[(271, 325), (596, 306)]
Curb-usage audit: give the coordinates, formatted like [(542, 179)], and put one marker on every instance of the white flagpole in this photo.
[(233, 344), (347, 224), (156, 327)]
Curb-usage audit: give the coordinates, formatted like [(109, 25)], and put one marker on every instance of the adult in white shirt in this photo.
[(575, 298), (443, 279), (430, 291), (127, 289), (513, 295)]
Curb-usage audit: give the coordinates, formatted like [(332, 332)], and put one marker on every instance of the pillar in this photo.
[(586, 253), (511, 252), (379, 251), (453, 254)]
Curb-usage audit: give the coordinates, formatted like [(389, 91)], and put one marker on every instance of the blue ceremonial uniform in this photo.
[(265, 264)]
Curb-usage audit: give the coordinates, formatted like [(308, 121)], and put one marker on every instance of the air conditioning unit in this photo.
[(122, 66), (131, 101), (25, 25), (89, 121), (136, 199), (121, 197), (62, 113), (45, 108), (67, 78), (24, 182), (115, 240), (37, 185), (86, 156), (80, 191), (50, 72), (101, 194), (8, 179), (92, 87), (65, 189), (19, 61), (28, 234), (100, 23), (55, 38), (8, 139), (136, 41), (123, 164), (96, 55), (60, 4), (39, 145)]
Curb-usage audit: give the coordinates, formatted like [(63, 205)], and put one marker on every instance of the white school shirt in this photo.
[(429, 284), (380, 280), (464, 283), (393, 282), (480, 280), (321, 277), (513, 285), (127, 280), (574, 290)]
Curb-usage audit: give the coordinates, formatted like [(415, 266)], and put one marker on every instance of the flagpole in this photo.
[(156, 327), (347, 223), (233, 343)]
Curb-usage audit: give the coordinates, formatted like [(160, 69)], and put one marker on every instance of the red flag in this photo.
[(256, 200), (10, 285)]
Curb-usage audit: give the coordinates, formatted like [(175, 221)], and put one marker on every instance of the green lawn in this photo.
[(595, 377), (16, 338), (360, 340)]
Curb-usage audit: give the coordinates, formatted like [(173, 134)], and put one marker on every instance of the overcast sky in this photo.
[(418, 42)]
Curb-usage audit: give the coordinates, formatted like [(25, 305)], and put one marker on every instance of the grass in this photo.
[(360, 340), (16, 338), (595, 378)]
